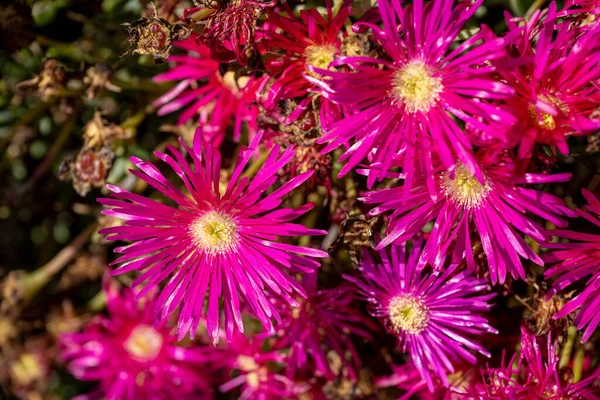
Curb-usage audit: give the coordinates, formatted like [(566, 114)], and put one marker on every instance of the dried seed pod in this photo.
[(155, 36)]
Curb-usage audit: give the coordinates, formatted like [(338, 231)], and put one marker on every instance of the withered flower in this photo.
[(98, 78), (155, 36), (48, 83), (356, 233), (229, 27), (88, 169)]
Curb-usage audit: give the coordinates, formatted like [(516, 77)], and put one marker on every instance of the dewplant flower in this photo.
[(213, 245)]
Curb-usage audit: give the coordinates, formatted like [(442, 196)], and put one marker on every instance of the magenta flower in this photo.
[(216, 99), (534, 375), (307, 40), (407, 379), (435, 317), (574, 262), (132, 360), (224, 245), (255, 370), (557, 88), (496, 207), (396, 107), (323, 322)]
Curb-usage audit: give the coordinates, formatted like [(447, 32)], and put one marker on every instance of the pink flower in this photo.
[(556, 81), (498, 207), (533, 375), (130, 358), (436, 318), (324, 321), (294, 44), (410, 105), (576, 261), (217, 99), (220, 245)]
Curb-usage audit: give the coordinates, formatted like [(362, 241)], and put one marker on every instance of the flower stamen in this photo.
[(415, 86), (319, 56), (215, 232), (144, 343), (464, 188), (408, 314)]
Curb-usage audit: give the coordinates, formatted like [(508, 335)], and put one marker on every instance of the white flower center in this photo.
[(415, 86), (464, 188), (144, 343), (408, 314), (215, 232)]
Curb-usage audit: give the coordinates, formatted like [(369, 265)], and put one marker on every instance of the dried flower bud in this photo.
[(98, 78), (98, 133), (88, 169), (48, 82), (154, 36)]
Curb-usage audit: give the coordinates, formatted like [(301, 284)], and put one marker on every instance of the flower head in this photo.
[(533, 375), (407, 378), (323, 322), (435, 317), (556, 83), (218, 99), (410, 106), (574, 262), (130, 358), (224, 245), (496, 207), (256, 370), (309, 40)]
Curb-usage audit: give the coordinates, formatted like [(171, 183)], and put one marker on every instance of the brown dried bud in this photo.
[(356, 232), (49, 82), (98, 78), (154, 36), (98, 133), (88, 169), (359, 45), (541, 319)]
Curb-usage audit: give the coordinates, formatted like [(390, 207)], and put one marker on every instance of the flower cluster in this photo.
[(461, 133)]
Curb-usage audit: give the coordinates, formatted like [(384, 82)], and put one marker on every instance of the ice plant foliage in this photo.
[(323, 322), (435, 317), (220, 245), (130, 359), (409, 105), (575, 261), (217, 99), (497, 207)]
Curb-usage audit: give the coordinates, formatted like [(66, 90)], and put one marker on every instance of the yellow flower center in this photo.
[(144, 343), (408, 314), (215, 232), (415, 86), (320, 56), (464, 188), (545, 120)]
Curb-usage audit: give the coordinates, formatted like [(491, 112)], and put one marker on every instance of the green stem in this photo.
[(565, 354), (536, 5), (578, 363), (255, 166), (97, 303)]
